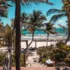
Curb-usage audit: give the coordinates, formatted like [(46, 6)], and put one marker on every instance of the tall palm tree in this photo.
[(34, 22), (64, 12), (8, 41), (18, 36), (49, 30)]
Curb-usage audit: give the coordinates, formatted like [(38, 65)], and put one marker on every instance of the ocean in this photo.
[(60, 31)]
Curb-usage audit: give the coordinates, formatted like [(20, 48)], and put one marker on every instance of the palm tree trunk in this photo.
[(18, 36), (9, 58), (33, 35), (68, 36), (47, 39), (9, 54), (68, 16), (32, 39), (35, 44), (25, 53)]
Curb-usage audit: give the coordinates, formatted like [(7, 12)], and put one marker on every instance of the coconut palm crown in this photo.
[(36, 19), (24, 20), (3, 8)]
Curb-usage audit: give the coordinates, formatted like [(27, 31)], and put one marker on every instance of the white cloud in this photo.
[(61, 21)]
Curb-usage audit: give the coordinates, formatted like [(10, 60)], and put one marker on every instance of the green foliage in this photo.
[(13, 60), (60, 53), (43, 60), (35, 21), (67, 59), (60, 45), (45, 53), (21, 60), (2, 58)]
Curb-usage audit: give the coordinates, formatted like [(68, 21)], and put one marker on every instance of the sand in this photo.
[(38, 44)]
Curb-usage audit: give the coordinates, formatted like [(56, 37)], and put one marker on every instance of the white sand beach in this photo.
[(41, 40), (38, 44)]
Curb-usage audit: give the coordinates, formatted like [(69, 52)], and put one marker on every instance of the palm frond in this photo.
[(3, 13), (51, 11), (62, 26), (49, 3), (56, 17), (52, 32), (28, 2)]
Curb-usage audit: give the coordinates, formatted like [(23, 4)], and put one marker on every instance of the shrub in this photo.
[(59, 54), (21, 60), (45, 53), (2, 58), (67, 59)]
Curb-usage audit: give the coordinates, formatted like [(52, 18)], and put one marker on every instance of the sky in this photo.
[(29, 9)]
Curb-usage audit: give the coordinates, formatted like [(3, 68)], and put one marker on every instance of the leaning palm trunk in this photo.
[(68, 16), (18, 36), (68, 36), (26, 52)]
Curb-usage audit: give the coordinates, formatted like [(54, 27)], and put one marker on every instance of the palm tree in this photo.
[(64, 12), (18, 36), (8, 41), (49, 30), (31, 23), (34, 22)]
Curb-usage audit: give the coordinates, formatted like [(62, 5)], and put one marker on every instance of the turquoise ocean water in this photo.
[(60, 31)]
